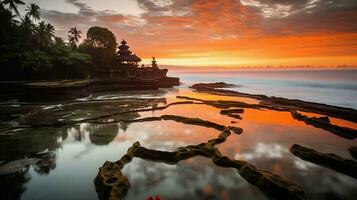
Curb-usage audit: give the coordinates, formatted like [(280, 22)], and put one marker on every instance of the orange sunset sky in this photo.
[(228, 33)]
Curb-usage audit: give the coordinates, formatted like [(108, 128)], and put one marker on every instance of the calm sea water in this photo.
[(69, 156), (330, 86)]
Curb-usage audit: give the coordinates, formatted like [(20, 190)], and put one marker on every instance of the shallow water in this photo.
[(330, 86), (71, 155)]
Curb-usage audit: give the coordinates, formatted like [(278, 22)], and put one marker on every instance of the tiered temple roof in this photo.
[(125, 56)]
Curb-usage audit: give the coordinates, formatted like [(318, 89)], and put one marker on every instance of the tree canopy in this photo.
[(33, 11), (101, 45), (100, 37), (74, 36), (30, 50)]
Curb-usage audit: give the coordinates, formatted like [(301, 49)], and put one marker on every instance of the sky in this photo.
[(220, 33)]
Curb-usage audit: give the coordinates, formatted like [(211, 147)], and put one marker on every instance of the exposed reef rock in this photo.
[(329, 160), (234, 113), (16, 165), (181, 119), (110, 183), (183, 153), (236, 130), (223, 104), (353, 152), (28, 121), (194, 121), (273, 186), (324, 123), (215, 85), (283, 103)]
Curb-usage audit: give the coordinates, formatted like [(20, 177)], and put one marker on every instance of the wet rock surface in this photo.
[(214, 85), (329, 160), (110, 183), (107, 116), (224, 104), (283, 103), (324, 123), (16, 165), (353, 152), (232, 111), (82, 112), (271, 185)]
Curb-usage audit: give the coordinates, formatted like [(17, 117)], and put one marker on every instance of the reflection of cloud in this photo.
[(263, 150), (302, 165), (196, 178)]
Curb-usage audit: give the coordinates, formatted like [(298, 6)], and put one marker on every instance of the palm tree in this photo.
[(33, 11), (74, 34), (50, 30), (26, 25), (8, 24), (13, 5), (44, 34)]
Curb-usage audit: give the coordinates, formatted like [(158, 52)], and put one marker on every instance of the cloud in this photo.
[(177, 28)]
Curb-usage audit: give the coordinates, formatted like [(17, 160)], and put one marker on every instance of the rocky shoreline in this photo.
[(112, 183), (281, 103), (72, 89), (332, 161)]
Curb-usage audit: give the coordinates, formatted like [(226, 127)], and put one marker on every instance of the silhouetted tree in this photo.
[(74, 36), (32, 51), (27, 29), (43, 34), (33, 11), (101, 45), (12, 4), (7, 24)]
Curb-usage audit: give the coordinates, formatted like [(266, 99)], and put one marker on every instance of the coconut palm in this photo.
[(13, 5), (44, 34), (6, 16), (33, 11), (50, 30), (26, 25), (8, 25), (75, 34), (27, 29)]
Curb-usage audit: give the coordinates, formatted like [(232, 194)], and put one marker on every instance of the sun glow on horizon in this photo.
[(226, 33), (233, 62)]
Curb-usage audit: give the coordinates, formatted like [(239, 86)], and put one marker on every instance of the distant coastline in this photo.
[(227, 69)]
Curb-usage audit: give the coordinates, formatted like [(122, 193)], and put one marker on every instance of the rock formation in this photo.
[(329, 160)]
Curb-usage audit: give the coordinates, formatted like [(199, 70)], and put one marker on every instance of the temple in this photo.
[(126, 69), (127, 61)]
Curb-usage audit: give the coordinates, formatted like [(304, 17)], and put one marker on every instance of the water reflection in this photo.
[(41, 145), (75, 152), (196, 178), (265, 143), (58, 149), (13, 185)]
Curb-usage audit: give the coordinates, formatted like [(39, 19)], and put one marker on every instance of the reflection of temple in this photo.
[(127, 71)]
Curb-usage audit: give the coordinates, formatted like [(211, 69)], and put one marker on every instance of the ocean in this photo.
[(69, 155), (330, 86)]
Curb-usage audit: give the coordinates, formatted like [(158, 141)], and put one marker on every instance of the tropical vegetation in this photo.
[(30, 50)]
